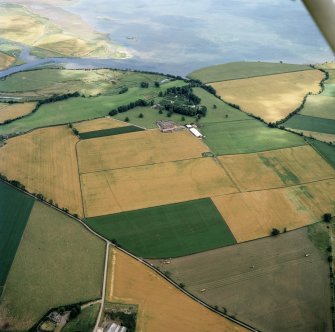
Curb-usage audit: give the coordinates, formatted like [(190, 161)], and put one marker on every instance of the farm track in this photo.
[(161, 274)]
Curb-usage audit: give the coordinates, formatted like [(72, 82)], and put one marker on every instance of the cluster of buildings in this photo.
[(170, 126)]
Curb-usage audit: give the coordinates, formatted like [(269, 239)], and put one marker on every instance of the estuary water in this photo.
[(177, 37)]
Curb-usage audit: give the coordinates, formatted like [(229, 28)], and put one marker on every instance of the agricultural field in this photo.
[(16, 110), (6, 60), (133, 283), (110, 132), (273, 284), (311, 123), (319, 106), (134, 188), (58, 262), (85, 321), (238, 70), (252, 215), (45, 82), (277, 168), (167, 230), (327, 151), (122, 151), (45, 162), (327, 65), (99, 124), (273, 97), (246, 136), (221, 112), (52, 37), (15, 209), (79, 108)]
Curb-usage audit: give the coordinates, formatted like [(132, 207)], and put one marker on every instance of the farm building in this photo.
[(168, 126), (196, 132), (116, 328)]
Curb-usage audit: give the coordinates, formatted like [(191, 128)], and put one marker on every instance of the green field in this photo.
[(78, 109), (15, 209), (85, 321), (320, 106), (237, 70), (47, 81), (109, 132), (329, 90), (58, 262), (222, 112), (246, 136), (326, 150), (150, 117), (168, 230), (311, 123)]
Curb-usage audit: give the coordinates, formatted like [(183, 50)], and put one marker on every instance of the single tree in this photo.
[(141, 115), (275, 231), (327, 217), (126, 119)]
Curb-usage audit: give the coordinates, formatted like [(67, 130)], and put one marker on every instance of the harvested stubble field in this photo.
[(273, 97), (15, 209), (277, 168), (6, 60), (320, 106), (99, 124), (252, 215), (58, 262), (167, 230), (268, 283), (238, 70), (161, 306), (13, 111), (311, 123), (45, 162), (134, 188), (247, 136), (138, 148)]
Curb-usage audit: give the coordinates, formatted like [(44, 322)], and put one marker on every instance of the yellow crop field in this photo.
[(138, 148), (13, 111), (161, 306), (99, 124), (252, 215), (277, 168), (270, 97), (134, 188), (6, 60), (45, 162)]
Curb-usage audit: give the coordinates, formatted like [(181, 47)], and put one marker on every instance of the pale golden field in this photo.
[(277, 168), (161, 306), (270, 97), (13, 111), (6, 60), (99, 124), (134, 188), (138, 148), (45, 162), (252, 215)]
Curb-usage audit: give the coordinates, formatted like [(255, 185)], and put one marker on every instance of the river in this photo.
[(177, 37)]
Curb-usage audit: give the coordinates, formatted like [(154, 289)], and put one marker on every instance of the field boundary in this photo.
[(150, 266), (242, 78)]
